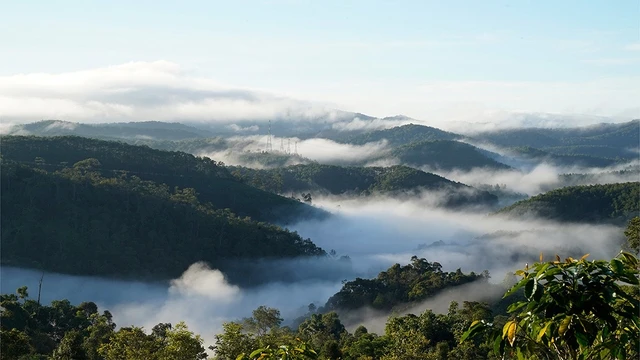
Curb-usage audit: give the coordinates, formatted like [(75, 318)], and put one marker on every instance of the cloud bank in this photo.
[(165, 91)]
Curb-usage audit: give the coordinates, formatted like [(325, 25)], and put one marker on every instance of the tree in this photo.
[(70, 347), (263, 319), (14, 344), (233, 341), (633, 234), (130, 344), (573, 309), (182, 344), (282, 352)]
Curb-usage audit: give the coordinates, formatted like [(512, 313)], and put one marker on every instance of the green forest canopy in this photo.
[(210, 178), (583, 203), (81, 222)]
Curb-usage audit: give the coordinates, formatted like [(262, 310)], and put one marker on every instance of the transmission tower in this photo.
[(296, 148), (281, 145), (288, 146), (269, 146)]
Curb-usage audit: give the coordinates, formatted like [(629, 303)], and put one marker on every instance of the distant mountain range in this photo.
[(409, 144)]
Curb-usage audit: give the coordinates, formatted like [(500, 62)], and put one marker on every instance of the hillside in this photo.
[(133, 130), (211, 180), (586, 203), (620, 136), (338, 180), (76, 221), (444, 155), (401, 135)]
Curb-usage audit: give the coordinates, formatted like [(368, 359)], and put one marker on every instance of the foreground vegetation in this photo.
[(570, 309), (559, 309)]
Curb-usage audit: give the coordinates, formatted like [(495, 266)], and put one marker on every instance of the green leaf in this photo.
[(537, 294), (582, 339), (513, 289), (473, 330), (542, 270), (498, 345), (529, 288), (256, 353), (629, 258), (617, 266), (515, 306)]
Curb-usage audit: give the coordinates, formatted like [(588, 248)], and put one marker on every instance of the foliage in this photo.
[(282, 352), (445, 155), (401, 135), (587, 203), (399, 285), (83, 223), (211, 179), (574, 309), (632, 234)]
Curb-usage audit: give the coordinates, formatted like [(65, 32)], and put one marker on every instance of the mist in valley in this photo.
[(373, 232)]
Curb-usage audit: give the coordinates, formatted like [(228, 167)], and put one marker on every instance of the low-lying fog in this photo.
[(375, 234)]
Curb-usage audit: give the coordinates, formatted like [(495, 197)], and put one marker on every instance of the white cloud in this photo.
[(139, 91), (201, 280), (165, 91)]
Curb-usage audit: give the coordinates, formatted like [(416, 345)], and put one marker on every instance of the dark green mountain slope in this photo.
[(211, 180), (339, 180), (401, 135), (445, 155), (586, 203), (621, 136), (79, 222)]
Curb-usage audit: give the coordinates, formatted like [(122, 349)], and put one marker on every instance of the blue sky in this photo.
[(340, 52)]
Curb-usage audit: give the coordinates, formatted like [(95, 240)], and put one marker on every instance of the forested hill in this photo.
[(401, 135), (586, 203), (445, 155), (350, 180), (131, 131), (620, 136), (210, 178), (76, 221)]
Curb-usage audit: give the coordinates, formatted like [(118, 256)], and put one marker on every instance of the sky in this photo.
[(425, 59)]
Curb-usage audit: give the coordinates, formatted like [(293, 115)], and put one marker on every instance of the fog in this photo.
[(321, 150), (375, 233)]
